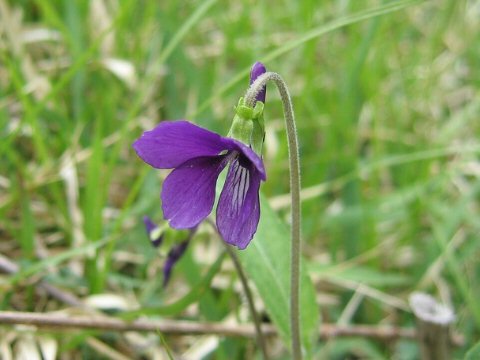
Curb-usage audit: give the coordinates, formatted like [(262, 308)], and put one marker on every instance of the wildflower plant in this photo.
[(198, 156)]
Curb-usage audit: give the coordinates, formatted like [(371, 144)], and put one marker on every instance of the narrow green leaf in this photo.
[(181, 304), (360, 274), (474, 352), (185, 28), (27, 231), (56, 260)]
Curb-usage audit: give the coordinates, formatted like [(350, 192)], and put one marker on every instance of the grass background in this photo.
[(387, 110)]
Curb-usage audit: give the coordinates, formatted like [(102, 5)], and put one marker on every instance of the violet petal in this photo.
[(149, 225), (232, 144), (172, 258), (172, 143), (258, 69), (188, 192), (154, 233), (238, 210)]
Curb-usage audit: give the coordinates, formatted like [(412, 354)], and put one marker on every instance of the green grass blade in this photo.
[(308, 36), (192, 296)]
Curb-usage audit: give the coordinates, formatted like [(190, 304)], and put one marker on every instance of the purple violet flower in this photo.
[(198, 156), (258, 69), (173, 256)]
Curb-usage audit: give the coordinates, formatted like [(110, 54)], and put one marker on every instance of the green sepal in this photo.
[(248, 125)]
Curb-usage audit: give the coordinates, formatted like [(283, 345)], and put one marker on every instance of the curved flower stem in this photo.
[(294, 163), (243, 279), (246, 288)]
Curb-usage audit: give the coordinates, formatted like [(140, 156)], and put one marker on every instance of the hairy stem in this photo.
[(294, 163)]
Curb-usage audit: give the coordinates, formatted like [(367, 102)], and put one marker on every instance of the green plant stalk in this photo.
[(243, 279), (294, 165), (248, 293)]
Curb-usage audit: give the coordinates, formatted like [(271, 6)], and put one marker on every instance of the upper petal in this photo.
[(188, 192), (258, 69), (172, 143), (257, 162), (238, 210)]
